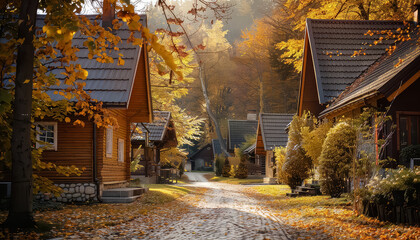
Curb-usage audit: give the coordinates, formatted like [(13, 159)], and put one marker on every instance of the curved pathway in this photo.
[(214, 211), (224, 212)]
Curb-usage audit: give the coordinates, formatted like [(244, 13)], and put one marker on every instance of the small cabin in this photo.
[(271, 133)]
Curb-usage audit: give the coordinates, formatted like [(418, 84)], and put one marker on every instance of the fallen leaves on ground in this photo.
[(332, 217), (82, 220)]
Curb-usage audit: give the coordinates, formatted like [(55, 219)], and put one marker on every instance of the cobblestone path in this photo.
[(223, 211)]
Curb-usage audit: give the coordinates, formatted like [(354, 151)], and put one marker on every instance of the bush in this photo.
[(297, 164), (219, 165), (336, 158), (226, 168), (232, 171), (280, 155), (408, 153), (242, 170)]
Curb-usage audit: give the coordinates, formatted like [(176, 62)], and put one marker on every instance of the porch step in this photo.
[(292, 194), (122, 195), (119, 199)]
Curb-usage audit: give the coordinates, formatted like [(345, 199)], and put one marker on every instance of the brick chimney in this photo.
[(108, 14)]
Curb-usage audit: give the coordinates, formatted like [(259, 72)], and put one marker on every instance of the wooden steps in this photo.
[(307, 190), (122, 195)]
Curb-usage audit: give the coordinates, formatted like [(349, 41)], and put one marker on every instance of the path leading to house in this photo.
[(214, 211)]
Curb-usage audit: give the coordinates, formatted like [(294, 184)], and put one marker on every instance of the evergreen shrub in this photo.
[(297, 164), (336, 158), (226, 168)]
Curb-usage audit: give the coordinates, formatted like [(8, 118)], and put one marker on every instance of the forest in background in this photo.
[(252, 58)]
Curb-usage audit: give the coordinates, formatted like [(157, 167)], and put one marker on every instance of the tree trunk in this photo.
[(210, 113), (20, 212)]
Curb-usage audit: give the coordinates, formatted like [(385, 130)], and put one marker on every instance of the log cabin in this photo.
[(344, 71), (103, 152), (271, 133)]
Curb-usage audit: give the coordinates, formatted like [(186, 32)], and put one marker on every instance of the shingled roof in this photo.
[(157, 129), (238, 129), (273, 129), (217, 150), (333, 42), (106, 82), (385, 76)]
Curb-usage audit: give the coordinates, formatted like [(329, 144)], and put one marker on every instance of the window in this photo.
[(46, 135), (408, 129), (109, 140), (120, 150)]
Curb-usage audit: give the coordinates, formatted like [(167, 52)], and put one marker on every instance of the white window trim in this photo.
[(50, 147), (108, 146), (121, 150)]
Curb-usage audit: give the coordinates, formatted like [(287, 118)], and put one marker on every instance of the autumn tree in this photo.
[(294, 14), (313, 138), (37, 52), (280, 156)]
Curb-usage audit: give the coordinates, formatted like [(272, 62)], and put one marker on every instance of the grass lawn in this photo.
[(333, 217), (70, 219), (214, 178)]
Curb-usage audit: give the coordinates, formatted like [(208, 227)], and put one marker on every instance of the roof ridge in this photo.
[(356, 21)]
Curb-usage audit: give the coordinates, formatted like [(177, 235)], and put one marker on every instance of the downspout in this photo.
[(95, 167), (146, 146)]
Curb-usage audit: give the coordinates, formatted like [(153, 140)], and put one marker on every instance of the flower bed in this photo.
[(394, 198)]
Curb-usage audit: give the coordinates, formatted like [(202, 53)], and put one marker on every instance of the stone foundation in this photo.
[(74, 192)]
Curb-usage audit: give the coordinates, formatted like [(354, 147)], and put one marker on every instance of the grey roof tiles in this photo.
[(217, 150), (157, 128), (273, 129), (238, 130), (382, 77), (107, 82), (333, 42)]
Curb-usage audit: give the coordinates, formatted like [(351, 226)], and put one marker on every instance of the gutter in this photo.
[(352, 104)]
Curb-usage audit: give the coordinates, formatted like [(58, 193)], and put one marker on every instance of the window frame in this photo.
[(38, 129), (109, 141), (121, 150), (407, 114)]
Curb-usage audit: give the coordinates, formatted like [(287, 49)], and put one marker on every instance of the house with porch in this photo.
[(148, 144), (271, 133), (102, 152), (344, 71)]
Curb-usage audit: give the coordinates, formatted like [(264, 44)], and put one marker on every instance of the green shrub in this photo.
[(407, 153), (226, 168), (336, 158), (219, 165), (242, 170), (297, 164)]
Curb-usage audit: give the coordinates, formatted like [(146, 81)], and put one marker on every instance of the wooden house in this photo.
[(271, 133), (203, 159), (103, 152), (335, 84), (148, 144)]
